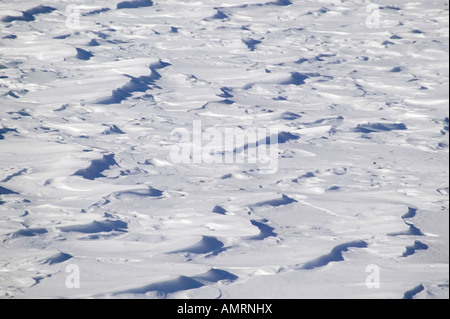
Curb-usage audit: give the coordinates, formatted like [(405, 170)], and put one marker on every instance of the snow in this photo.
[(93, 95)]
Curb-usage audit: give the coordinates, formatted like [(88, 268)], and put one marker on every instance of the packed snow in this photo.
[(97, 96)]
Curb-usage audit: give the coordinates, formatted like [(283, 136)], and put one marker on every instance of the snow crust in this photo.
[(358, 206)]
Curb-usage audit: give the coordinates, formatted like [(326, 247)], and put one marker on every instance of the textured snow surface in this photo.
[(358, 207)]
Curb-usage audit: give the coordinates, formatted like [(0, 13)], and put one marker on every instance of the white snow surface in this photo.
[(86, 177)]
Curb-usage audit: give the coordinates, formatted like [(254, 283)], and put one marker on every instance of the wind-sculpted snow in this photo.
[(136, 84), (334, 256), (219, 210), (83, 54), (379, 127), (97, 227), (97, 167), (281, 2), (412, 212), (299, 78), (280, 138), (446, 126), (29, 15), (150, 192), (113, 129), (134, 4), (242, 149), (265, 230), (6, 191), (219, 15), (162, 289), (411, 250), (93, 43), (410, 294), (284, 200), (97, 11), (251, 43), (4, 131), (58, 258), (289, 116), (206, 245), (412, 229), (28, 232)]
